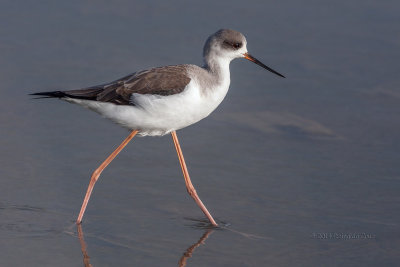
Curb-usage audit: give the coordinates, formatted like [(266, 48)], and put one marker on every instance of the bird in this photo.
[(162, 100)]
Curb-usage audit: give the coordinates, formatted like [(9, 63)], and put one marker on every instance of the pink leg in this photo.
[(189, 185), (97, 172)]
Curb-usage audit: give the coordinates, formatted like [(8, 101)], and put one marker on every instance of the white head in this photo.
[(227, 45)]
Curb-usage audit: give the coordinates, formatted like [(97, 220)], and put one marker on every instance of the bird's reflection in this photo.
[(86, 257), (182, 262), (189, 251)]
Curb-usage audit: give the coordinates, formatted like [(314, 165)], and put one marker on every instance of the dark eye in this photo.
[(232, 44)]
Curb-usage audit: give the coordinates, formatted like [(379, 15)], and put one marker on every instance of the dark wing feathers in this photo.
[(87, 93), (158, 81), (164, 81)]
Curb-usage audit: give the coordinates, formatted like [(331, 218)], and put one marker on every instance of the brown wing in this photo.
[(168, 80)]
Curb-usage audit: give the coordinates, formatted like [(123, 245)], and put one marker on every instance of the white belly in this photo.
[(159, 115)]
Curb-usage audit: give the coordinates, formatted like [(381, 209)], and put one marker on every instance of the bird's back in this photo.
[(167, 80)]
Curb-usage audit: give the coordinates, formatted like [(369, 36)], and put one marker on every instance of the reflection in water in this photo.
[(205, 224), (86, 257), (182, 262), (189, 251)]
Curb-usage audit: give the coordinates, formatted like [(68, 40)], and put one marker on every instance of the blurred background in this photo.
[(302, 171)]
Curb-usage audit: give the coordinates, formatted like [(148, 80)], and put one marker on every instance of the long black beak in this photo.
[(253, 59)]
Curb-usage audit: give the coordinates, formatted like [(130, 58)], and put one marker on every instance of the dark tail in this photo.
[(88, 94), (53, 94)]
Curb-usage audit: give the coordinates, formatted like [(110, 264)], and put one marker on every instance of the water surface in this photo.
[(300, 171)]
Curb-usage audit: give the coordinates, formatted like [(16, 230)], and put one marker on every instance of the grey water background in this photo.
[(302, 171)]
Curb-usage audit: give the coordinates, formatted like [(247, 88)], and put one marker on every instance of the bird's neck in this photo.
[(218, 67)]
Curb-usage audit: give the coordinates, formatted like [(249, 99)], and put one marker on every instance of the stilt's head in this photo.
[(227, 45)]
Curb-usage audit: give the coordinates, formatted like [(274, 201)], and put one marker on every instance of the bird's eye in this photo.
[(233, 45)]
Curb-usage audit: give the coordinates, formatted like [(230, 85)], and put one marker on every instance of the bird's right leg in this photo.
[(97, 172), (189, 186)]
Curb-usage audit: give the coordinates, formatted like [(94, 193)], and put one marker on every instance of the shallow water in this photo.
[(300, 171)]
